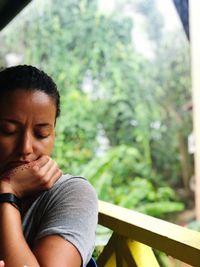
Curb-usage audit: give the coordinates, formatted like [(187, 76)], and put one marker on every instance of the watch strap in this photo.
[(11, 198)]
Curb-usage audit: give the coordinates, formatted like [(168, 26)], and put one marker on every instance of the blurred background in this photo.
[(123, 71)]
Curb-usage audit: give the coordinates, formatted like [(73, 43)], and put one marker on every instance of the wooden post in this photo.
[(194, 11)]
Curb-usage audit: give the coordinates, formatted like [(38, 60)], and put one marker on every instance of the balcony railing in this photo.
[(135, 234)]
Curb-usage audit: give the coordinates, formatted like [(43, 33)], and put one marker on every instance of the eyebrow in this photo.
[(46, 124), (11, 121)]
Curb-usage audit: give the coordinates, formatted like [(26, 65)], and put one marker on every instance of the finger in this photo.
[(56, 175), (39, 163), (53, 178), (2, 264), (56, 172), (49, 171), (51, 164), (50, 174)]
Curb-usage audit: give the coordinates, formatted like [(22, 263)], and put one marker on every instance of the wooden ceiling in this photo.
[(9, 9)]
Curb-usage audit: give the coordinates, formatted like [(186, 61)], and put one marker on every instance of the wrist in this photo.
[(12, 199), (5, 186)]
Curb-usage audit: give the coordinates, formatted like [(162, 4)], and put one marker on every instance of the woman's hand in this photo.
[(28, 179)]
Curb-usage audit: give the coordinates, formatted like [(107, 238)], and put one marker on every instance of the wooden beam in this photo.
[(9, 9), (142, 254), (194, 8), (177, 241), (107, 252)]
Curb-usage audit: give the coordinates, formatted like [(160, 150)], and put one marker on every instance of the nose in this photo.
[(25, 144)]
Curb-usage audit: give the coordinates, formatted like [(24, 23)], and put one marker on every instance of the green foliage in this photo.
[(107, 85), (75, 134), (115, 177)]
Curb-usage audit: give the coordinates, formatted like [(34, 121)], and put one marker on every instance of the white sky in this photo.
[(141, 42), (170, 14), (165, 6)]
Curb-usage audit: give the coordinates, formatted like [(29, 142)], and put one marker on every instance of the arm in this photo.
[(70, 211), (66, 253), (13, 248), (16, 252)]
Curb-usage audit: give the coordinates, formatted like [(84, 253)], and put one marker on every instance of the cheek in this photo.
[(7, 146), (7, 149), (45, 147)]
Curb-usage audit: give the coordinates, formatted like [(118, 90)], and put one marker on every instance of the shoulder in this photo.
[(70, 209), (71, 180), (72, 191), (73, 185)]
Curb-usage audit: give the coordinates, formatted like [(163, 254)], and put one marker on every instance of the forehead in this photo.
[(23, 104)]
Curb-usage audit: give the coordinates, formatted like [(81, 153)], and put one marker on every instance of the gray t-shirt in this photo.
[(69, 209)]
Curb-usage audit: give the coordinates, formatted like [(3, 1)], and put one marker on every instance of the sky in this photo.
[(141, 42), (170, 14)]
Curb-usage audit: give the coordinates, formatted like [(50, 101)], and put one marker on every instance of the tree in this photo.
[(106, 84)]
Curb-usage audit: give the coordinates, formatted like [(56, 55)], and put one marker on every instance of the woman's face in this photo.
[(27, 120)]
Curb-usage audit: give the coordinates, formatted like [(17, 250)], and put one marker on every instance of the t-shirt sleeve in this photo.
[(71, 212)]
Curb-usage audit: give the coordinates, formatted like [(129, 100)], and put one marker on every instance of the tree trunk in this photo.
[(185, 167)]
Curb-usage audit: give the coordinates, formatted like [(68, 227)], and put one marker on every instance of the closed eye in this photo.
[(41, 136), (43, 131), (7, 132)]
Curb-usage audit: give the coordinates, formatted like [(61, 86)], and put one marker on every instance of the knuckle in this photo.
[(57, 167), (44, 180), (40, 176), (46, 159), (46, 184)]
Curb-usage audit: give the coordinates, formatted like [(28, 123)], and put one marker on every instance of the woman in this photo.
[(46, 218)]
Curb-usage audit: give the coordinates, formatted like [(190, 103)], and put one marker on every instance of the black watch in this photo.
[(11, 198)]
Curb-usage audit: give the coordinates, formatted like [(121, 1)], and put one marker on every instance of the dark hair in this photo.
[(29, 78)]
